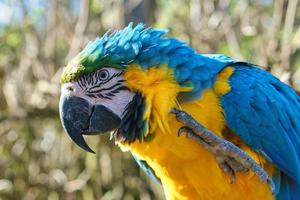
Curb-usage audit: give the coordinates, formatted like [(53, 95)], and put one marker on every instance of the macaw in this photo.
[(242, 124)]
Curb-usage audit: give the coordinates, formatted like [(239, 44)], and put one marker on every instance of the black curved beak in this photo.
[(79, 118)]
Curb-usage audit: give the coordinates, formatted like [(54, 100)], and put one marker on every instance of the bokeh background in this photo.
[(38, 37)]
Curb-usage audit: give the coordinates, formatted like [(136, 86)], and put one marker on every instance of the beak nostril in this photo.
[(70, 88)]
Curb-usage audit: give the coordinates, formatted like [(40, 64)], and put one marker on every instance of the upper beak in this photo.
[(79, 117)]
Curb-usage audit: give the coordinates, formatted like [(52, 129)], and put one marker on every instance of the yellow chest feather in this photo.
[(188, 171)]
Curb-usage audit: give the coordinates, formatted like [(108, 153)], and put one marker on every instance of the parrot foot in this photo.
[(230, 158)]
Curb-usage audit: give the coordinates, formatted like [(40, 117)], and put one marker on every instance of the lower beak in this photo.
[(79, 118)]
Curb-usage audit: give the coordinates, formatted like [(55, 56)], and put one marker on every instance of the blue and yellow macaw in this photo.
[(242, 124)]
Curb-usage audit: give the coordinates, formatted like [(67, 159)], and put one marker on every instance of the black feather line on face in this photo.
[(132, 123), (91, 82), (105, 89), (117, 90)]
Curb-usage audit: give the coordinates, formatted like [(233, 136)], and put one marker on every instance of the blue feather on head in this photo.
[(148, 47)]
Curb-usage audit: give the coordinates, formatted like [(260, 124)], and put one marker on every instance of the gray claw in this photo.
[(271, 184), (229, 171), (182, 130)]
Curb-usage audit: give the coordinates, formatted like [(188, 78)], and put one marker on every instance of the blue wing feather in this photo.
[(147, 169), (265, 113)]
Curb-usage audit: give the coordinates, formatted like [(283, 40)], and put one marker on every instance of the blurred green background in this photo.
[(38, 37)]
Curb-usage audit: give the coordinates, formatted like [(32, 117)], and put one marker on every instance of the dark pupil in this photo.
[(103, 75)]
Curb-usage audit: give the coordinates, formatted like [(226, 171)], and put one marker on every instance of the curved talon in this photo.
[(236, 166), (272, 185), (175, 111), (182, 130), (229, 171)]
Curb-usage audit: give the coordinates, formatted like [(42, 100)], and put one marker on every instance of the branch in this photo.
[(79, 29), (286, 47)]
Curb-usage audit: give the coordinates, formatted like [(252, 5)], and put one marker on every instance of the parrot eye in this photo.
[(103, 75)]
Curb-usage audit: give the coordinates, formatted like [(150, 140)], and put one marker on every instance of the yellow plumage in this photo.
[(186, 170)]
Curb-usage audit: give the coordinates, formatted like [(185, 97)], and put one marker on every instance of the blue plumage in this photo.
[(265, 113), (149, 48), (146, 168)]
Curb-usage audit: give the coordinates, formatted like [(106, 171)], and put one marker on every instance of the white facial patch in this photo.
[(104, 87)]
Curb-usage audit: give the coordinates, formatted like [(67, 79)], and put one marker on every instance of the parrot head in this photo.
[(95, 103), (126, 83)]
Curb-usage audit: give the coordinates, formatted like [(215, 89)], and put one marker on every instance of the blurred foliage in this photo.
[(38, 37)]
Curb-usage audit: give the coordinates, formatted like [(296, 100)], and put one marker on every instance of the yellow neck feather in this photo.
[(160, 90)]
